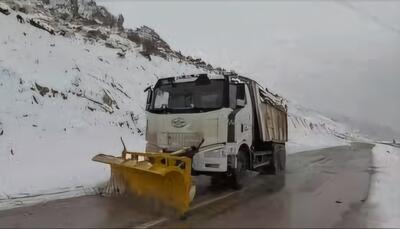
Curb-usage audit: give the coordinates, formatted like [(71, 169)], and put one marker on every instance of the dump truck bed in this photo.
[(270, 115)]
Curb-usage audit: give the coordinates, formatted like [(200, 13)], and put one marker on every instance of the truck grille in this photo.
[(182, 139)]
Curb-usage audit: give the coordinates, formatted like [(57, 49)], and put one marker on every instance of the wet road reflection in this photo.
[(320, 188)]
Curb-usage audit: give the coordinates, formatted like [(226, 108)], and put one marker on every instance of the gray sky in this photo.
[(334, 56)]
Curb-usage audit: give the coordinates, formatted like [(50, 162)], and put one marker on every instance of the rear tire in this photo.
[(278, 161), (283, 157)]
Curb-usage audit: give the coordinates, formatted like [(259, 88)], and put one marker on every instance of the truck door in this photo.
[(241, 122)]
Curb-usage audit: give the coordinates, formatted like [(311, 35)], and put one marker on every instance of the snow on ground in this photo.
[(309, 130), (91, 98), (384, 196), (63, 100)]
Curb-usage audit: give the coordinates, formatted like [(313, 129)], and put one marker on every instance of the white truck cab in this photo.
[(241, 125)]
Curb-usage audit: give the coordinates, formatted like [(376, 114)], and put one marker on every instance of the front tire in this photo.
[(239, 174)]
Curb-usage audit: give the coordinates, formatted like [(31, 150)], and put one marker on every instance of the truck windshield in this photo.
[(188, 96)]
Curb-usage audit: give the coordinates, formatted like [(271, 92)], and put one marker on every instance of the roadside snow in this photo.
[(309, 130), (313, 141), (64, 100), (384, 194)]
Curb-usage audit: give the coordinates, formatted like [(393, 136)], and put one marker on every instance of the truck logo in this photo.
[(178, 122)]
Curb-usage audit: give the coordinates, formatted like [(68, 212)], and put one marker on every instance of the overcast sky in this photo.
[(333, 56)]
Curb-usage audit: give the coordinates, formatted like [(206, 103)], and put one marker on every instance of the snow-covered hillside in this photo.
[(310, 130), (66, 98)]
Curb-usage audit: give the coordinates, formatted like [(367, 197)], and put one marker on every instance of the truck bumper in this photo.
[(210, 161)]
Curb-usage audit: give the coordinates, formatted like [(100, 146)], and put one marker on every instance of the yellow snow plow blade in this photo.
[(162, 176)]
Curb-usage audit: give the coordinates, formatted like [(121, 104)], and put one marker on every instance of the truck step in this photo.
[(261, 153), (260, 164)]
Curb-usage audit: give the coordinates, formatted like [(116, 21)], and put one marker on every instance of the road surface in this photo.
[(321, 188)]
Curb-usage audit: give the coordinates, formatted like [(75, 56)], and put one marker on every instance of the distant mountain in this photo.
[(372, 130)]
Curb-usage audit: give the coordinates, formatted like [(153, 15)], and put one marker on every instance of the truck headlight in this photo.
[(213, 153)]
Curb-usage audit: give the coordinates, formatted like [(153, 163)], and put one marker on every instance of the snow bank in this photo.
[(309, 130), (384, 196), (63, 100)]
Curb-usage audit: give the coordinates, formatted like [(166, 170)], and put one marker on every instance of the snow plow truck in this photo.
[(217, 125)]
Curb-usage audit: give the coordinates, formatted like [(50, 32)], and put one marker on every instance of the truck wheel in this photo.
[(282, 152), (278, 161), (238, 175)]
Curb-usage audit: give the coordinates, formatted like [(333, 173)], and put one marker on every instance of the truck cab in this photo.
[(239, 126)]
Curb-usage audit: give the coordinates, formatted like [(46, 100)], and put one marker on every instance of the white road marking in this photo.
[(207, 202), (199, 205), (152, 223)]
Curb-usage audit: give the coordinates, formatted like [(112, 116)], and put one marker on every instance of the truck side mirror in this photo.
[(240, 95), (149, 97)]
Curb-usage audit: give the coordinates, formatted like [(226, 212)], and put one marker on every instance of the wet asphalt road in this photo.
[(321, 188)]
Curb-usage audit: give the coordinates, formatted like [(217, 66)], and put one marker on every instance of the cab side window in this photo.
[(232, 96), (237, 95)]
